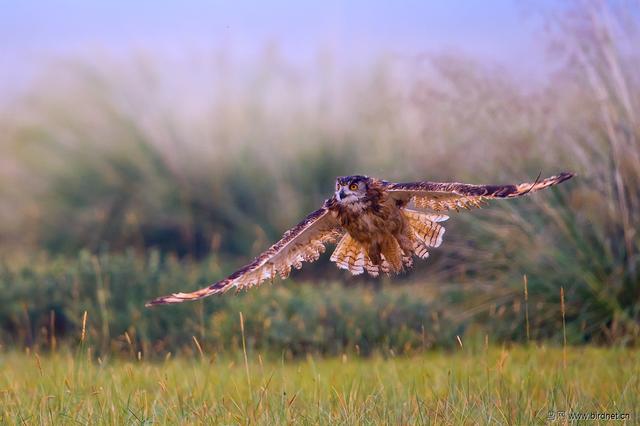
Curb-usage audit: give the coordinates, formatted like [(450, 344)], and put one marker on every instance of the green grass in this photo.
[(474, 385)]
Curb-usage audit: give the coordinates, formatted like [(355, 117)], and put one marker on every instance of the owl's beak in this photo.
[(341, 194)]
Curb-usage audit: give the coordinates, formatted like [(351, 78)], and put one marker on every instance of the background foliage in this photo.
[(186, 183), (46, 306)]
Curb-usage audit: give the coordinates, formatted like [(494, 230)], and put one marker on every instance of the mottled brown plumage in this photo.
[(374, 225), (376, 222)]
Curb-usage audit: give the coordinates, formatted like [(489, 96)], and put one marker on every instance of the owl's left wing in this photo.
[(445, 196), (304, 242)]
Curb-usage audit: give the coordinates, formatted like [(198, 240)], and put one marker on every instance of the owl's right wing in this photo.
[(304, 242)]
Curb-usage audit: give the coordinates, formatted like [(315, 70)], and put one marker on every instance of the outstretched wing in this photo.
[(304, 242), (445, 196)]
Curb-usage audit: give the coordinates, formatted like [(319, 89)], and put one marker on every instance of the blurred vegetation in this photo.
[(45, 306), (108, 158)]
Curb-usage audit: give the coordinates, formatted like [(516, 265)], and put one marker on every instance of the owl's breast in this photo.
[(366, 223)]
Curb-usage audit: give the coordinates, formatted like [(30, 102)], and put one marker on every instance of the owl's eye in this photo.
[(353, 186), (337, 186)]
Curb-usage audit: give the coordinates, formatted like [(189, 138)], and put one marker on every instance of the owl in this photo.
[(379, 227)]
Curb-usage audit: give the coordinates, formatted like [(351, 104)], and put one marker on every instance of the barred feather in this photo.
[(349, 255), (352, 256), (454, 196), (303, 243), (427, 231)]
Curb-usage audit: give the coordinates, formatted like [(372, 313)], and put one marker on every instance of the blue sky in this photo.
[(501, 31)]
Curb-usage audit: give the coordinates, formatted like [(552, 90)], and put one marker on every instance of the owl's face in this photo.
[(350, 189)]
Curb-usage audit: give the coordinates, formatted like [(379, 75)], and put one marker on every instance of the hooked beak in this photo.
[(341, 195)]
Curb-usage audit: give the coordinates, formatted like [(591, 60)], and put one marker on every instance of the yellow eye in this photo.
[(337, 186), (353, 186)]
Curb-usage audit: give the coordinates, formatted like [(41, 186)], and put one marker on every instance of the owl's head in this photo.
[(350, 189)]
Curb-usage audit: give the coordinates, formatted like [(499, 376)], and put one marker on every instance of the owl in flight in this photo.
[(374, 225)]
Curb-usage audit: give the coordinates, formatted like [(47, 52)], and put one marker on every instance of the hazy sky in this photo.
[(32, 32)]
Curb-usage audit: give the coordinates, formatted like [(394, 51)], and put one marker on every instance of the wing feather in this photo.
[(446, 196), (302, 243)]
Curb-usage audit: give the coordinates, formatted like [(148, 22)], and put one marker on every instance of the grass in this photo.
[(476, 385)]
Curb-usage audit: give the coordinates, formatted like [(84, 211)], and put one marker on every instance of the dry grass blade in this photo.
[(195, 341), (564, 330), (526, 308), (84, 327), (244, 353)]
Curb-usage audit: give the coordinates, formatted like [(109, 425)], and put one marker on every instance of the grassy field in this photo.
[(475, 385)]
